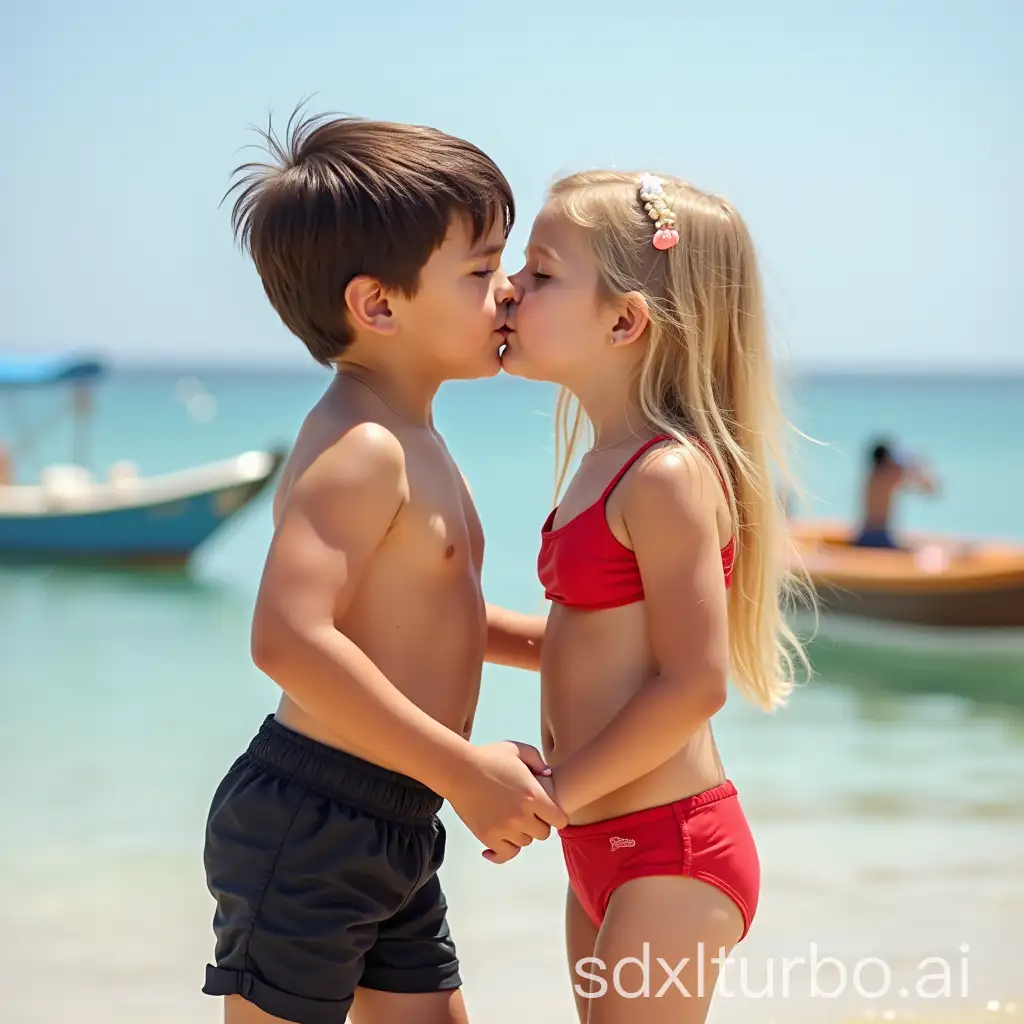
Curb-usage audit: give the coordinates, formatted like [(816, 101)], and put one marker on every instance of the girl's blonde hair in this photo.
[(707, 373)]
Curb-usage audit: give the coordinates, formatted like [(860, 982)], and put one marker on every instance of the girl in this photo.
[(666, 568)]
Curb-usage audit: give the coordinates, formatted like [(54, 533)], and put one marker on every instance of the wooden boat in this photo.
[(126, 517), (935, 582)]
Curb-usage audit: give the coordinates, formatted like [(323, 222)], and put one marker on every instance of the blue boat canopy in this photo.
[(34, 370)]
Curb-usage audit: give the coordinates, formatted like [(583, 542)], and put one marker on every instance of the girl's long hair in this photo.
[(707, 374)]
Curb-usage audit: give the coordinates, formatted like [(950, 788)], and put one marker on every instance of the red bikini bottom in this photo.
[(705, 836)]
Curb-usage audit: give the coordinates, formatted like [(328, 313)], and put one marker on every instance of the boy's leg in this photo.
[(373, 1007), (411, 975), (309, 853), (240, 1011)]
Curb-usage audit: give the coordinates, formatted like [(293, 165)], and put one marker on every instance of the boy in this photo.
[(379, 246)]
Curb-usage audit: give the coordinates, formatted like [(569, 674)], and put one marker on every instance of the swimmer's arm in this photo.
[(670, 514), (916, 477), (335, 517), (514, 639)]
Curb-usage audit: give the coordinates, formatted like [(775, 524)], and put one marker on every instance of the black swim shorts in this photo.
[(324, 869)]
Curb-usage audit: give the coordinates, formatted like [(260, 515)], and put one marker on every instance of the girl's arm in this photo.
[(671, 516)]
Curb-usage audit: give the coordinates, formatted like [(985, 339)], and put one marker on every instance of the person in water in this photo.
[(887, 475)]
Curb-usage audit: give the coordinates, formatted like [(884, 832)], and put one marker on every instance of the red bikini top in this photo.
[(582, 564)]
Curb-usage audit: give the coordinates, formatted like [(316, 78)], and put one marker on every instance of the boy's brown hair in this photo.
[(347, 196)]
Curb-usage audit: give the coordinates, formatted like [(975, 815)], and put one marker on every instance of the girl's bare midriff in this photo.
[(592, 664)]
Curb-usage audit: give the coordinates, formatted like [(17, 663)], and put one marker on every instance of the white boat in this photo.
[(125, 517)]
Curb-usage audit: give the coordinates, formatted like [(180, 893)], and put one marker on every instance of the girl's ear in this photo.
[(634, 316)]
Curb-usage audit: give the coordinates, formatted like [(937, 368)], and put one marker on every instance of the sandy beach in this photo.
[(126, 945)]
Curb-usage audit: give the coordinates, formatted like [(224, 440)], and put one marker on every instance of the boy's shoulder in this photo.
[(334, 460)]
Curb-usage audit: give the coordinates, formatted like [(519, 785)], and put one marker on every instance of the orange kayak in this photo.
[(935, 582)]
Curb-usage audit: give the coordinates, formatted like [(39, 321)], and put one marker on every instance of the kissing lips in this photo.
[(504, 331)]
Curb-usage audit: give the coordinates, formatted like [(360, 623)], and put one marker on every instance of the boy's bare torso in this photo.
[(419, 612)]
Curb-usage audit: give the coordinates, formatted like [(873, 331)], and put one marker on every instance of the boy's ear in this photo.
[(367, 304), (633, 318)]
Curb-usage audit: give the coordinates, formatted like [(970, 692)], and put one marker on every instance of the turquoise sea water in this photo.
[(888, 799)]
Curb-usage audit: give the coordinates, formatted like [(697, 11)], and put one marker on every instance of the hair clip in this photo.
[(652, 194)]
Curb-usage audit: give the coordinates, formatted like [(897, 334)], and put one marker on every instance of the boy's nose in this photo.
[(515, 289), (506, 291)]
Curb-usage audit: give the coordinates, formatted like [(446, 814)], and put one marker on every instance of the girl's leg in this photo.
[(681, 921), (580, 938)]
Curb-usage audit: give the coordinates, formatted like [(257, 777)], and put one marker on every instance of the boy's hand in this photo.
[(503, 803), (548, 782)]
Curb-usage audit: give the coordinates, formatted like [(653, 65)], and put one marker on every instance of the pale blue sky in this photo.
[(874, 148)]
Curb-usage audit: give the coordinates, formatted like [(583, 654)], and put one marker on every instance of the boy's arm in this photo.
[(333, 520), (671, 517), (336, 515), (514, 639)]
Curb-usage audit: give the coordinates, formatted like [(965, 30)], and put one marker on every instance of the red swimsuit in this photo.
[(583, 565), (705, 836)]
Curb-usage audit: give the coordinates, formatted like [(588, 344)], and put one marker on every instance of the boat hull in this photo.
[(145, 531), (936, 582)]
